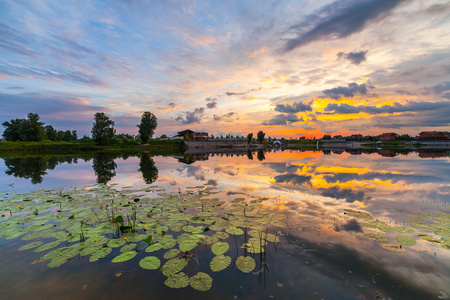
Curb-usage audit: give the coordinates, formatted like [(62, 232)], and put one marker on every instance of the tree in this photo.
[(31, 130), (51, 133), (326, 137), (103, 129), (147, 126), (12, 130), (249, 138), (260, 136), (148, 168)]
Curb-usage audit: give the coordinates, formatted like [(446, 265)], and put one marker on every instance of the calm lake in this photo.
[(320, 245)]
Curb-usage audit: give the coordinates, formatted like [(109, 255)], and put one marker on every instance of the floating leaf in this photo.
[(177, 281), (150, 263), (153, 248), (220, 248), (188, 245), (30, 246), (57, 262), (114, 243), (141, 246), (375, 237), (201, 282), (234, 230), (405, 240), (99, 254), (47, 246), (393, 247), (245, 263), (219, 263), (127, 247), (171, 253), (124, 256), (173, 266), (404, 229)]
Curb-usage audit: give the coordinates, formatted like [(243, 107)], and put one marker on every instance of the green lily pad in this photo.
[(234, 230), (127, 247), (188, 245), (124, 256), (150, 263), (220, 248), (375, 237), (115, 243), (219, 263), (245, 263), (201, 282), (173, 266), (404, 229), (30, 245), (99, 254), (47, 246), (154, 247), (171, 253), (405, 240), (177, 281)]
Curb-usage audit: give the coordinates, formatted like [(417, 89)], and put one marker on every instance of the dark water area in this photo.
[(322, 253)]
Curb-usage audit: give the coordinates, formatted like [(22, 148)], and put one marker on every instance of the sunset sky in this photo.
[(289, 68)]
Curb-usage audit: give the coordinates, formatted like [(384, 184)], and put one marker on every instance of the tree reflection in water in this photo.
[(148, 168), (104, 167)]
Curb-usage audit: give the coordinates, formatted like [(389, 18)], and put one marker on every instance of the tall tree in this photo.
[(260, 136), (249, 138), (147, 126), (32, 130), (103, 129)]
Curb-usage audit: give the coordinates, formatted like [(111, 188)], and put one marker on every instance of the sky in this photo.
[(288, 68)]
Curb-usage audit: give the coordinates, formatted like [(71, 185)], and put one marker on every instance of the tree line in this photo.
[(103, 132)]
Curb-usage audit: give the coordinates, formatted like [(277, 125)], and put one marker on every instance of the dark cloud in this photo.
[(212, 182), (294, 108), (354, 57), (292, 178), (410, 106), (225, 116), (15, 88), (438, 89), (212, 103), (192, 116), (404, 92), (338, 20), (348, 91), (235, 94), (347, 194), (283, 120)]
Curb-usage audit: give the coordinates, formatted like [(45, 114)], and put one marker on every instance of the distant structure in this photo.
[(390, 136), (193, 136), (433, 135)]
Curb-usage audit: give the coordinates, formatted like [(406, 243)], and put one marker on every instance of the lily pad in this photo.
[(173, 266), (177, 281), (150, 263), (47, 246), (220, 248), (31, 246), (405, 240), (171, 253), (154, 247), (201, 282), (220, 262), (245, 263), (375, 237), (124, 256), (115, 243), (188, 245), (234, 230), (393, 247)]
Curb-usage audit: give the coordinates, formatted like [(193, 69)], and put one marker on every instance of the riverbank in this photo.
[(220, 144), (153, 146)]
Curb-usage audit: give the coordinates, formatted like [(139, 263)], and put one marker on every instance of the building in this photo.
[(433, 135), (390, 136), (193, 135), (338, 137)]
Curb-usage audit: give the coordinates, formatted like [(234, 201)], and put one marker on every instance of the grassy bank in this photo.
[(47, 147)]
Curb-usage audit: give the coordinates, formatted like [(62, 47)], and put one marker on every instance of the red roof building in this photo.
[(390, 136), (433, 135)]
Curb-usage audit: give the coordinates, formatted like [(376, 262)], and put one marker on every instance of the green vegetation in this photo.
[(103, 129), (147, 126), (249, 138), (260, 136), (104, 222)]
